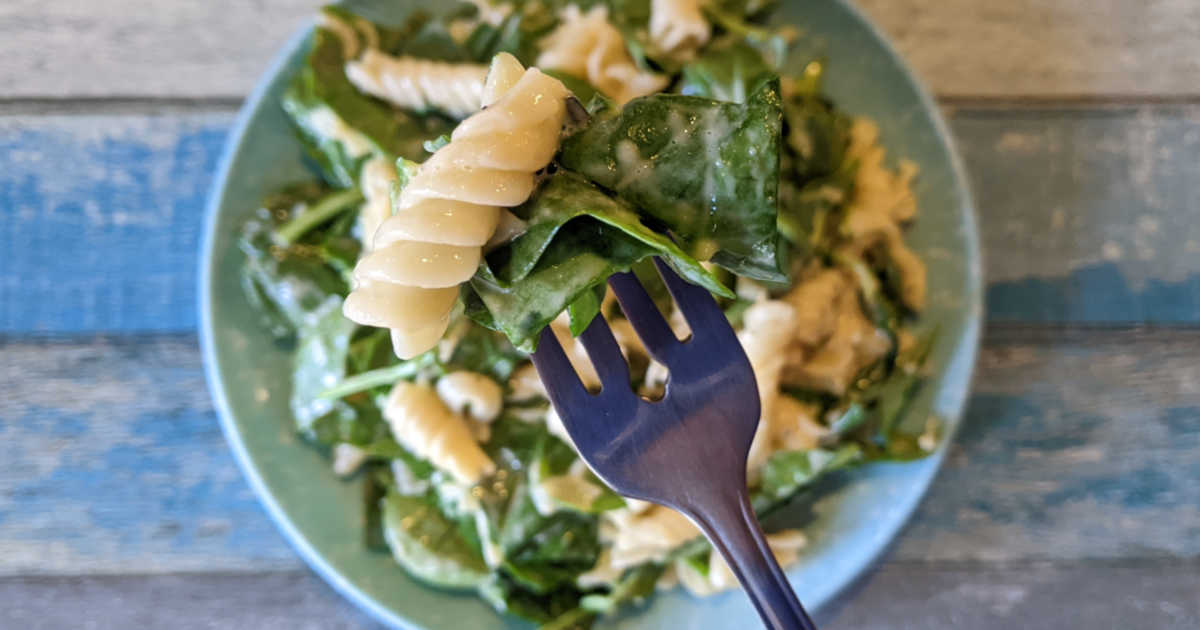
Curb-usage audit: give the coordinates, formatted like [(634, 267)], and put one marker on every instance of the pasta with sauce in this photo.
[(455, 89), (586, 45), (464, 208), (450, 208)]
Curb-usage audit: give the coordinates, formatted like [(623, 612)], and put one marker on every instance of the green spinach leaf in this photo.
[(708, 171), (337, 120), (430, 546), (786, 472), (727, 71), (289, 283), (577, 237)]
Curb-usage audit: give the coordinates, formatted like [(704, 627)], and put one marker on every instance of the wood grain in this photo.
[(1079, 446), (976, 48), (896, 597), (1047, 48), (1101, 202), (114, 462)]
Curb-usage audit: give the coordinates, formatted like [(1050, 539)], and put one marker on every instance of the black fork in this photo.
[(688, 450)]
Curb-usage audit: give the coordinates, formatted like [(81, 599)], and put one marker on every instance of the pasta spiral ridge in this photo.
[(587, 46), (678, 27), (450, 207), (455, 89)]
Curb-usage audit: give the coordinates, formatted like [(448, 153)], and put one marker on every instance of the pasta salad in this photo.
[(478, 173)]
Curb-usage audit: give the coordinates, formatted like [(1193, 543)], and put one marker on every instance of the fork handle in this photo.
[(734, 531)]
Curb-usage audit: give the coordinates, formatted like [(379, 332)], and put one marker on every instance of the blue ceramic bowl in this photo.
[(321, 515)]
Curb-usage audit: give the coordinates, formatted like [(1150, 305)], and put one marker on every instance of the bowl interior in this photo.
[(847, 528)]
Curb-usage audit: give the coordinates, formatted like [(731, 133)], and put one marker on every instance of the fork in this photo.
[(688, 450)]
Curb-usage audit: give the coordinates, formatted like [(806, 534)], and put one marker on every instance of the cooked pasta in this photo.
[(472, 394), (471, 448), (768, 329), (450, 208), (678, 27), (323, 123), (646, 536), (376, 179), (420, 85), (426, 427), (587, 46)]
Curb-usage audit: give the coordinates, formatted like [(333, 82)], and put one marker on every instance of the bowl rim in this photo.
[(969, 340)]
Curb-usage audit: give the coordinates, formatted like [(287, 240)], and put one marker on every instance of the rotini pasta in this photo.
[(471, 393), (422, 423), (376, 183), (851, 344), (322, 122), (648, 536), (678, 27), (450, 208), (769, 327), (455, 89), (587, 46)]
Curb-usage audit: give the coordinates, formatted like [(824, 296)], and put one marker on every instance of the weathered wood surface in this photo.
[(1101, 204), (907, 596), (1077, 446), (1069, 499), (961, 48)]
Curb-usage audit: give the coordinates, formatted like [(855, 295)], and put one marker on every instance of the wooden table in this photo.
[(1071, 498)]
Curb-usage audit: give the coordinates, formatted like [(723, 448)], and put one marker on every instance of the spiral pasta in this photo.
[(455, 89), (678, 27), (424, 425), (450, 208), (376, 179), (587, 46)]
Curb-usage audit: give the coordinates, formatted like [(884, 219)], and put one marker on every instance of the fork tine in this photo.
[(563, 386), (605, 354), (695, 302), (643, 315)]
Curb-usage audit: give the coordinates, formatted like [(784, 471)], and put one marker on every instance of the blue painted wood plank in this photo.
[(1087, 215), (101, 219), (113, 462), (1081, 445), (1076, 447), (907, 596)]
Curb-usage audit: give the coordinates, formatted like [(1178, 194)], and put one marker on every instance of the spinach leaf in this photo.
[(485, 351), (517, 34), (337, 120), (819, 179), (320, 358), (817, 133), (635, 584), (706, 170), (584, 309), (506, 595), (430, 546), (786, 472), (738, 19), (726, 71), (289, 284), (577, 237)]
